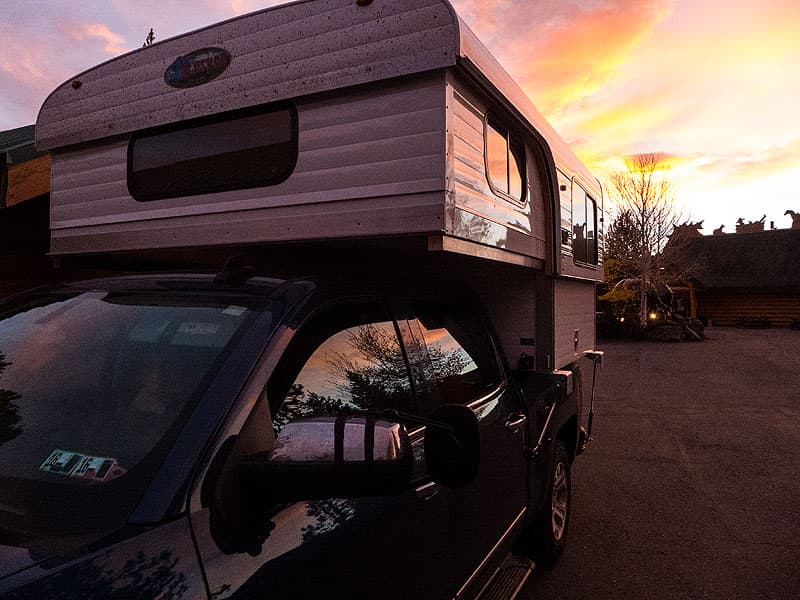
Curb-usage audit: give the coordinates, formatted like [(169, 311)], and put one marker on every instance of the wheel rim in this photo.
[(560, 501)]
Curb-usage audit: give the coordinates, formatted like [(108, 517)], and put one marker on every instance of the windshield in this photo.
[(94, 387)]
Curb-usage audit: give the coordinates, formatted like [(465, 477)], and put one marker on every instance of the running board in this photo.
[(509, 579)]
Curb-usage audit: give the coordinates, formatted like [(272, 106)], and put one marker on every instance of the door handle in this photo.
[(428, 490), (515, 422)]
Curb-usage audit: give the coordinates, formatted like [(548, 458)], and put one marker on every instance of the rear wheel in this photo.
[(548, 533)]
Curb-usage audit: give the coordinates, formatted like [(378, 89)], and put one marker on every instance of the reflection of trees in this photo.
[(441, 364), (372, 371), (140, 577), (9, 415), (329, 515), (300, 404), (369, 373), (473, 228)]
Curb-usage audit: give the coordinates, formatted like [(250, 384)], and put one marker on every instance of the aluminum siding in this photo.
[(385, 144), (574, 303)]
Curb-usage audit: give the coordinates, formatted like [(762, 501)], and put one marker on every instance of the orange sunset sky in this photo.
[(711, 84)]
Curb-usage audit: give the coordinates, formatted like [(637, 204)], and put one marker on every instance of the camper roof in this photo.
[(279, 53)]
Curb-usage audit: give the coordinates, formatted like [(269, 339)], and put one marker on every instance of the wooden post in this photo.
[(692, 302)]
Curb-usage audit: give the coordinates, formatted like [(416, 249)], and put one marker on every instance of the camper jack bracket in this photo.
[(554, 391), (596, 356)]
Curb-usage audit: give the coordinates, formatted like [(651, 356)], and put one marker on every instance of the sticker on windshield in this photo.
[(195, 328), (236, 311), (73, 464)]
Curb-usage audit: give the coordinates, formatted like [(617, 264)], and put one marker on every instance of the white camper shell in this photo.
[(328, 120)]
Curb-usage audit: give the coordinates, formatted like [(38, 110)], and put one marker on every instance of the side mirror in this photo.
[(332, 457), (453, 453)]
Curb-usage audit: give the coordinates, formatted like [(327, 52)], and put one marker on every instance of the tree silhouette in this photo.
[(299, 404), (148, 41), (330, 514), (372, 371), (9, 412), (143, 576), (621, 258)]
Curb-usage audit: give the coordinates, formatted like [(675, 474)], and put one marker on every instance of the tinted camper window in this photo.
[(584, 226), (226, 152), (564, 191)]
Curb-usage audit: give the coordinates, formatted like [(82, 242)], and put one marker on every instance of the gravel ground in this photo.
[(691, 487)]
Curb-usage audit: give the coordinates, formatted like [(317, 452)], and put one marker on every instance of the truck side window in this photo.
[(454, 354), (350, 360)]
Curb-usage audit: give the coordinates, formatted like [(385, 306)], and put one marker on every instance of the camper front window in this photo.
[(225, 152)]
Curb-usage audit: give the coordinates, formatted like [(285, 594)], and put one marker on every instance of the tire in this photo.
[(548, 533)]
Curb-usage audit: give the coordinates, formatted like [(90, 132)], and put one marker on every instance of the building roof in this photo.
[(768, 260), (24, 171), (18, 144)]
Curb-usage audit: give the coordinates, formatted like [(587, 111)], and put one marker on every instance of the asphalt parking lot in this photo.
[(691, 487)]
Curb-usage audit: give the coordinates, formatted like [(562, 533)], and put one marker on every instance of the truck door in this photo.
[(450, 348), (396, 546)]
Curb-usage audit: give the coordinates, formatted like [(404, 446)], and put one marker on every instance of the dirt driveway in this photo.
[(691, 488)]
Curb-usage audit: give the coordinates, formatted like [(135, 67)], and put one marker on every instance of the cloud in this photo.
[(26, 76), (113, 43), (738, 167), (563, 52), (26, 63)]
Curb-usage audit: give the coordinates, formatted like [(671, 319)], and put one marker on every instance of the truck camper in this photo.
[(341, 347)]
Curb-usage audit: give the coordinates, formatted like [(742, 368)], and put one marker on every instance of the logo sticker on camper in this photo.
[(197, 68)]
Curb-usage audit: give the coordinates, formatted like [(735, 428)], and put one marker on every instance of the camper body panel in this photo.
[(336, 61), (574, 316), (370, 162), (480, 214), (398, 151)]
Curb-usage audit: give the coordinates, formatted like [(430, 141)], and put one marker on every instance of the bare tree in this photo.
[(643, 195)]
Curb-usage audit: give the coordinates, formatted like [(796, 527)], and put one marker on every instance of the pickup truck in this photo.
[(240, 436)]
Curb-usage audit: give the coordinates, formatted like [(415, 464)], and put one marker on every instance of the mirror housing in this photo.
[(452, 453), (346, 456)]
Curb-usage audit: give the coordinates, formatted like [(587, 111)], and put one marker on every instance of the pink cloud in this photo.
[(113, 43), (562, 52)]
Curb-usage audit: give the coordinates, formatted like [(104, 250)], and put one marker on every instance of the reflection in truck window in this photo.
[(358, 367), (459, 363)]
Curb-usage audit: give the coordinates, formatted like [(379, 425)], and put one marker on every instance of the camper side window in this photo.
[(505, 162), (231, 151), (564, 187), (584, 226)]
